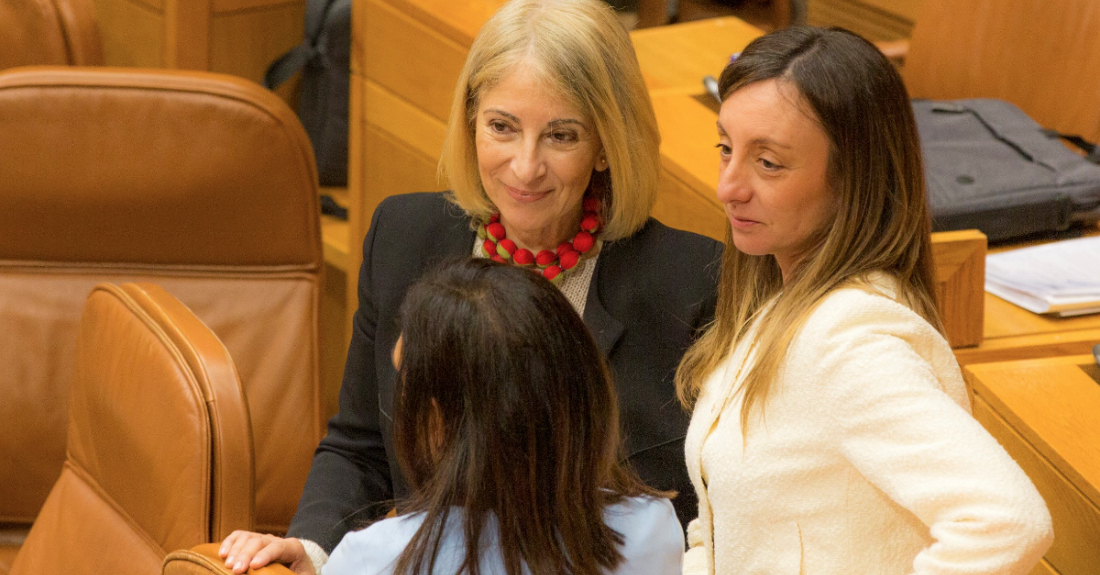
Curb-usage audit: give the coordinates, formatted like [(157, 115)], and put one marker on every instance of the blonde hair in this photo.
[(579, 49), (881, 223)]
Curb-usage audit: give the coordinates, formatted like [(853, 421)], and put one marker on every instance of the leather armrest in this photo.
[(203, 559)]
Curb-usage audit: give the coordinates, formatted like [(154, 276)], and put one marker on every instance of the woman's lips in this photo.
[(524, 196), (742, 223)]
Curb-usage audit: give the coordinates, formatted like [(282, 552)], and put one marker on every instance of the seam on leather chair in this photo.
[(187, 556), (229, 87), (220, 514), (83, 43), (169, 346), (92, 484), (204, 556), (200, 84)]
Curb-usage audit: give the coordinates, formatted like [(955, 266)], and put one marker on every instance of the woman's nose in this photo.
[(732, 184), (527, 164)]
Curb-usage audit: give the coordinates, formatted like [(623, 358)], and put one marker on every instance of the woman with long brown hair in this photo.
[(831, 430), (506, 426)]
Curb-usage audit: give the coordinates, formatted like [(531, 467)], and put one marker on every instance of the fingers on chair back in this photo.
[(201, 183), (159, 451), (203, 560), (49, 32)]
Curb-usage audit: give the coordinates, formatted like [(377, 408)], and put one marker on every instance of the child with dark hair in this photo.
[(506, 426)]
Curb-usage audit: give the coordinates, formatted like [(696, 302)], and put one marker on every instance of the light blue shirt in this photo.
[(653, 542)]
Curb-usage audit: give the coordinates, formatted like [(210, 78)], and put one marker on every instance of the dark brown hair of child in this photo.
[(506, 409)]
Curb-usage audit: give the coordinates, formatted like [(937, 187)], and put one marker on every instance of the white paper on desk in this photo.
[(1057, 277)]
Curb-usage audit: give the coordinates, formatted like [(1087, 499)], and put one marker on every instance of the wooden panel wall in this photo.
[(873, 19), (238, 37), (1039, 55)]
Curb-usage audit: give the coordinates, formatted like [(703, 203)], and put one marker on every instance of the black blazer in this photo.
[(650, 295)]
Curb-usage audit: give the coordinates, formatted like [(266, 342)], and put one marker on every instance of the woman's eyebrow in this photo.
[(765, 141), (563, 121), (762, 141), (502, 113)]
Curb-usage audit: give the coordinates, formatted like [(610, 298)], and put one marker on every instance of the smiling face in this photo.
[(536, 153), (773, 179)]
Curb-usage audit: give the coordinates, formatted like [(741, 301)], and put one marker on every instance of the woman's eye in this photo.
[(768, 165), (723, 150), (563, 137), (499, 127)]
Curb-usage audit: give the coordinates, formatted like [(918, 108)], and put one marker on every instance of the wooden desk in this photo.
[(1046, 414), (678, 56), (1012, 332)]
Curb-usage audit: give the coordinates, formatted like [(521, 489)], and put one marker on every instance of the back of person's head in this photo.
[(881, 222), (506, 409), (581, 51)]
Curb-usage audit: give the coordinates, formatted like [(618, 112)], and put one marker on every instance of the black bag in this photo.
[(989, 166), (324, 59)]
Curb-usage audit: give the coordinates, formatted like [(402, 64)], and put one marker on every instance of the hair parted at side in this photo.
[(581, 50), (523, 421), (874, 169)]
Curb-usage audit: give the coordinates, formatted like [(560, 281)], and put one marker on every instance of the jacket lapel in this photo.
[(458, 239), (606, 330)]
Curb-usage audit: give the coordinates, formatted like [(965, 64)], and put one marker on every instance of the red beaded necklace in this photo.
[(554, 264)]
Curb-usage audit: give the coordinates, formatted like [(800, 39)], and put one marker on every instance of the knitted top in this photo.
[(574, 286), (866, 458)]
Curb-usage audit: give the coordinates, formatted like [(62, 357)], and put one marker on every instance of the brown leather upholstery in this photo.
[(202, 183), (1040, 55), (49, 32), (203, 560), (159, 444), (78, 21)]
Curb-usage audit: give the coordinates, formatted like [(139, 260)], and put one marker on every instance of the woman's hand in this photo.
[(244, 550)]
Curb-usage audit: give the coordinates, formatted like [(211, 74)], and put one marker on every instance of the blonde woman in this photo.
[(831, 431), (552, 155)]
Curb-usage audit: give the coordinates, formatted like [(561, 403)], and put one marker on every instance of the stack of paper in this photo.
[(1061, 277)]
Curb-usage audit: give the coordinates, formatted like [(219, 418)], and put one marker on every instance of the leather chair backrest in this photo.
[(78, 22), (159, 443), (204, 560), (1037, 54), (49, 32), (202, 183)]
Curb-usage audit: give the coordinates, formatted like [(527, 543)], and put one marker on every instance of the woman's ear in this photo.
[(601, 161)]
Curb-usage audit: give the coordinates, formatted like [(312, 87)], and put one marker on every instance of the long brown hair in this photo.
[(882, 221), (524, 423)]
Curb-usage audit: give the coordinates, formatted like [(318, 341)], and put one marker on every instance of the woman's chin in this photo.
[(749, 246)]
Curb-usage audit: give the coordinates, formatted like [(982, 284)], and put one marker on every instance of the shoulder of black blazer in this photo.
[(675, 267)]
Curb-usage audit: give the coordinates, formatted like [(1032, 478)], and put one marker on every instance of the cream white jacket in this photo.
[(866, 459)]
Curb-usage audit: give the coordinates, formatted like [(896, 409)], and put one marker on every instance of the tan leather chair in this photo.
[(1040, 55), (202, 183), (204, 560), (159, 443), (49, 32)]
